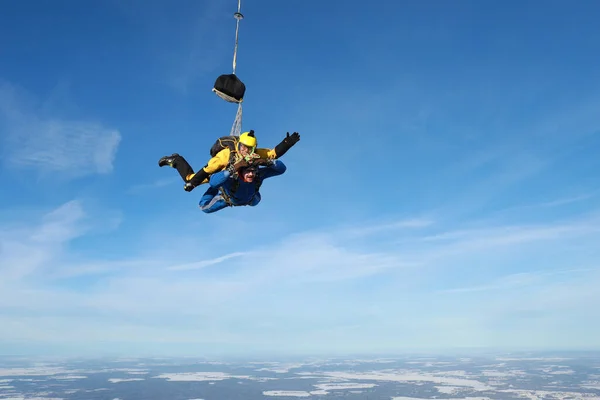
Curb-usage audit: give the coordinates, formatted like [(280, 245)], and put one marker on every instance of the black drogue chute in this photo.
[(230, 88)]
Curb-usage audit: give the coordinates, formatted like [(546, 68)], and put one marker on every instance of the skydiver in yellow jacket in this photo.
[(226, 153)]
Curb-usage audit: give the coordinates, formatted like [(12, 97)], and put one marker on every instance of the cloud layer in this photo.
[(325, 289)]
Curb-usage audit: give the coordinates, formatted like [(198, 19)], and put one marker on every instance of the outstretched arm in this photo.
[(280, 149), (275, 169), (218, 179)]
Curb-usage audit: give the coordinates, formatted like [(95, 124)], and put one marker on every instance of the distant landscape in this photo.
[(414, 377)]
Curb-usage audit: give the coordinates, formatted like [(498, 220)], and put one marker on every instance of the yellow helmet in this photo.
[(248, 140)]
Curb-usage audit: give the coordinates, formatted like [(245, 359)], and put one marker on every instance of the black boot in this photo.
[(179, 163)]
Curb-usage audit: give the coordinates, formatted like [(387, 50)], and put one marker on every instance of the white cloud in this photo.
[(35, 371), (73, 148), (441, 398), (287, 393), (404, 376), (205, 263), (344, 386), (444, 247), (201, 376), (25, 250), (387, 227), (517, 280)]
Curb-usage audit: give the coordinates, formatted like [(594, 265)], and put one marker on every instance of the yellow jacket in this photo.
[(223, 157)]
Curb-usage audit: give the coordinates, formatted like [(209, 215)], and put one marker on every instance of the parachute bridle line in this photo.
[(236, 128), (238, 16), (224, 86)]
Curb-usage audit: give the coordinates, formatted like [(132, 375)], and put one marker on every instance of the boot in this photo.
[(179, 163)]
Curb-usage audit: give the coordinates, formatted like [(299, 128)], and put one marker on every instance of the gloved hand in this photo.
[(293, 139), (286, 143), (262, 161), (240, 164)]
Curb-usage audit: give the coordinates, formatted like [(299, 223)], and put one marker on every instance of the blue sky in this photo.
[(444, 194)]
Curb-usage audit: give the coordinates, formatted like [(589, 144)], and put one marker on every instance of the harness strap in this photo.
[(227, 198)]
